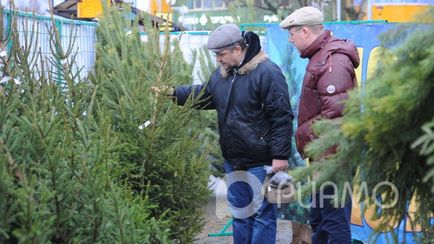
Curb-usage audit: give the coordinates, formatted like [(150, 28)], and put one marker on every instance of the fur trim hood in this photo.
[(249, 66)]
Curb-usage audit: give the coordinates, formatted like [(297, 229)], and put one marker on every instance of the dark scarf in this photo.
[(253, 48)]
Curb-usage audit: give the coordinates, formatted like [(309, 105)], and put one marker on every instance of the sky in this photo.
[(142, 4), (41, 6)]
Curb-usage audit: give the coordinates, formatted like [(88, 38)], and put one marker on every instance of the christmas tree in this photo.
[(161, 154), (79, 160), (55, 181)]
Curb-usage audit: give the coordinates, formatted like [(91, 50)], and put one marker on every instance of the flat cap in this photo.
[(223, 37), (303, 16)]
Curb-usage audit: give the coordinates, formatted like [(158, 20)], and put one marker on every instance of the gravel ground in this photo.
[(216, 217)]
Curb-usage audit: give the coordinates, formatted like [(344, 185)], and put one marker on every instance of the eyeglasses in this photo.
[(291, 34)]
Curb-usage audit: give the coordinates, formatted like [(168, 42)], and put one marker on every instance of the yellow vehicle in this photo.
[(162, 9), (399, 10), (87, 9)]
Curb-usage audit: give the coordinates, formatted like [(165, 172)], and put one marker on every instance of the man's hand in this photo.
[(279, 165), (165, 90)]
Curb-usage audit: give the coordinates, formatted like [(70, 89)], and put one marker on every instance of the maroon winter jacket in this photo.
[(329, 75)]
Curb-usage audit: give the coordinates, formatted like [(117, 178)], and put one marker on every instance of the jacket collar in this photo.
[(246, 68), (316, 45)]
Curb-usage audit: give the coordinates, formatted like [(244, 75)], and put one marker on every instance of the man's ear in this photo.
[(306, 31), (237, 48)]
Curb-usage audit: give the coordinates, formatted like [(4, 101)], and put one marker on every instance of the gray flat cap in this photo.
[(303, 16), (223, 37)]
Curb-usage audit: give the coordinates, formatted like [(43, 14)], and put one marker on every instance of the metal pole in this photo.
[(369, 9), (338, 10)]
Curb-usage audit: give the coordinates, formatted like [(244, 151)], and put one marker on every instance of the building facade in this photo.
[(207, 14)]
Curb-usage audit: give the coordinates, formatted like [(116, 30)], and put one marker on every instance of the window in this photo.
[(403, 1), (278, 2), (218, 3), (197, 3), (207, 4)]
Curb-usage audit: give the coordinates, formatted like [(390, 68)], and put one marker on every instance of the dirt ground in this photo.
[(217, 215)]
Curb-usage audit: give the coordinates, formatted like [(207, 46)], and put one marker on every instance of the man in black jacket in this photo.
[(251, 97)]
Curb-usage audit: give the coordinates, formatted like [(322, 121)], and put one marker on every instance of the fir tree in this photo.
[(160, 150), (56, 182)]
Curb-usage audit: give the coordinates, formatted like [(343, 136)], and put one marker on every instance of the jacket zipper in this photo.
[(229, 98), (265, 133), (232, 81)]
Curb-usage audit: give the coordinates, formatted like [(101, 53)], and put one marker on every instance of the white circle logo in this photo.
[(331, 89), (256, 187)]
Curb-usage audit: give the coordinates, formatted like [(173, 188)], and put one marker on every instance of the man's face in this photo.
[(229, 57), (298, 37)]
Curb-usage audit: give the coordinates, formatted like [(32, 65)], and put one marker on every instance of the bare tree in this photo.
[(272, 6), (355, 12)]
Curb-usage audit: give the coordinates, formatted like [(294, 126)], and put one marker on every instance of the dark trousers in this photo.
[(258, 226), (330, 224)]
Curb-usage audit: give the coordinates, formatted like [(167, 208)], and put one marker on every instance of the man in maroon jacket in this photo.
[(329, 76)]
